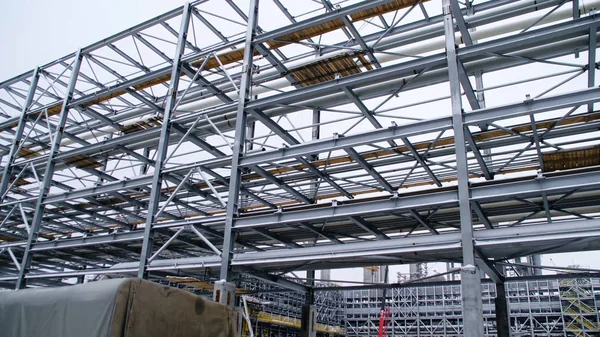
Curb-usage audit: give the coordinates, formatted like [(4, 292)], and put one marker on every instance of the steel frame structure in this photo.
[(207, 151)]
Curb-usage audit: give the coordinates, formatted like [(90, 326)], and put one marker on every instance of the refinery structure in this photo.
[(251, 147)]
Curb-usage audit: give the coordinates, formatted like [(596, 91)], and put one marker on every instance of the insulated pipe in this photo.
[(429, 46)]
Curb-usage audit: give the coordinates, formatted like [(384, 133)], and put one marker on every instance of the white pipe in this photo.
[(420, 48)]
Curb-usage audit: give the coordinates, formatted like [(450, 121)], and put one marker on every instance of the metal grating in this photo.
[(82, 162), (571, 159), (306, 33), (325, 70)]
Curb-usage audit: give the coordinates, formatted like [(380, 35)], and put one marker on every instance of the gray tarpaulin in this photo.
[(112, 308)]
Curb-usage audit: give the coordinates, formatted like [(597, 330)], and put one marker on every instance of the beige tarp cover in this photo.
[(112, 308)]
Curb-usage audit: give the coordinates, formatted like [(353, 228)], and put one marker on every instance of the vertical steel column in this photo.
[(308, 307), (316, 134), (501, 311), (316, 128), (163, 143), (592, 61), (7, 174), (49, 172), (470, 282), (235, 180), (250, 133)]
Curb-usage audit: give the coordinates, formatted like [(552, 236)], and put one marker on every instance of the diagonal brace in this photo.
[(367, 167), (421, 161), (274, 180), (423, 222), (369, 227)]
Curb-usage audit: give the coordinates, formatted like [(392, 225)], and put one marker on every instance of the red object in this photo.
[(384, 320)]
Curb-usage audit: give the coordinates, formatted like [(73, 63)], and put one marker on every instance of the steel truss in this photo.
[(210, 140)]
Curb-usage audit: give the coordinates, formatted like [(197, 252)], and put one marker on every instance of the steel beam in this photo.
[(470, 282), (496, 243), (36, 223), (369, 115), (235, 180), (413, 129), (423, 222), (591, 67), (203, 82), (8, 168), (489, 267), (481, 216), (370, 170), (286, 136), (320, 232), (280, 183), (506, 191), (460, 22), (478, 156), (319, 19), (161, 151), (421, 161), (369, 228)]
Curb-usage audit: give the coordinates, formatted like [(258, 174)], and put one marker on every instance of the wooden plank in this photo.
[(383, 9)]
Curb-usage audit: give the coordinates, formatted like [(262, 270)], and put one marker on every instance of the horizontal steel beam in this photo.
[(496, 243), (495, 192), (466, 54), (475, 118)]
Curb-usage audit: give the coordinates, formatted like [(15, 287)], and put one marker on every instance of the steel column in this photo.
[(502, 313), (235, 180), (163, 145), (7, 174), (592, 61), (470, 282), (308, 308), (36, 223)]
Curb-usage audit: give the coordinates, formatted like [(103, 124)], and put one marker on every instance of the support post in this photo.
[(316, 134), (470, 281), (592, 61), (307, 321), (36, 223), (501, 306), (536, 260), (224, 293), (238, 146), (250, 132), (163, 144)]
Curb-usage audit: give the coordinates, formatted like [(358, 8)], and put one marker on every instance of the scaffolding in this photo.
[(579, 307), (546, 307)]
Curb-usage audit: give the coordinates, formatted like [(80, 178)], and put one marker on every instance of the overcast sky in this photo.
[(34, 32)]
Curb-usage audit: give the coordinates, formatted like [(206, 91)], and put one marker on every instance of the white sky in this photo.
[(34, 32)]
